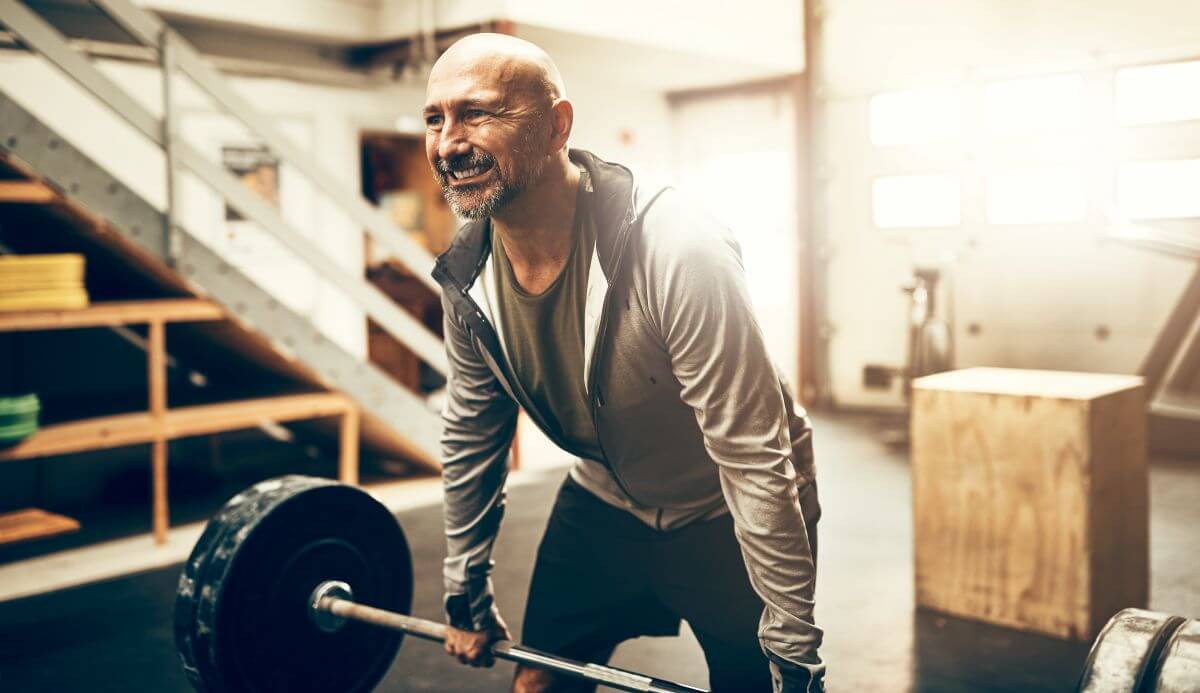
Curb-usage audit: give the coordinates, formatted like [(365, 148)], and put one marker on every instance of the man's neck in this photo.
[(536, 227)]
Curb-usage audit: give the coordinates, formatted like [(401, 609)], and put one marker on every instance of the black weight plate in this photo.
[(251, 628), (238, 525), (246, 503)]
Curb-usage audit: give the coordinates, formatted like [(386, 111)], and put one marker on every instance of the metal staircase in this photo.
[(161, 238), (1172, 366)]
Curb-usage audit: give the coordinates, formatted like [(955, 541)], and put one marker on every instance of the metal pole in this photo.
[(502, 649), (166, 55)]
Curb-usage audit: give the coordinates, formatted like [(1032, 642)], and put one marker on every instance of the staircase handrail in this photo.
[(148, 28)]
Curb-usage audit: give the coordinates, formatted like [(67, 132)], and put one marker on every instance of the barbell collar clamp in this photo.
[(324, 618)]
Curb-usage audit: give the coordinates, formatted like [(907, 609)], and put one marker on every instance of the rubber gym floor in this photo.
[(116, 635)]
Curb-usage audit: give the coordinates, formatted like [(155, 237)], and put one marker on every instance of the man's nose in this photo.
[(453, 142)]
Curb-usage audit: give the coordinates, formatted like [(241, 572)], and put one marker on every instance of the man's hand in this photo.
[(792, 678), (474, 647)]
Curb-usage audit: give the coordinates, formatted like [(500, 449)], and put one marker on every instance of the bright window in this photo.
[(1036, 196), (916, 201), (1159, 189), (1158, 93), (1030, 106), (918, 116)]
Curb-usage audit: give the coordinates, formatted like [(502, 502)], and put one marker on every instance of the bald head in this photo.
[(497, 122), (503, 60)]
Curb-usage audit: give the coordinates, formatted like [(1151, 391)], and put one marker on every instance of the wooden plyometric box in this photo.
[(1030, 497)]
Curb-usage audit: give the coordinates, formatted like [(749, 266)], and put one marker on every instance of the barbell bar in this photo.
[(332, 605), (301, 584)]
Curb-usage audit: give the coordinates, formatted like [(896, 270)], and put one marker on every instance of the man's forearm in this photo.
[(471, 531), (771, 530), (478, 422), (699, 299)]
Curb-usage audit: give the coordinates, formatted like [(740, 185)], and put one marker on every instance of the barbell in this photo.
[(303, 584)]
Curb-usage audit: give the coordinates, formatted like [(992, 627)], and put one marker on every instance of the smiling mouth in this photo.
[(467, 175)]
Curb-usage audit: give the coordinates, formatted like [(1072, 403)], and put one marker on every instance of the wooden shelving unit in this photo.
[(33, 523), (160, 423)]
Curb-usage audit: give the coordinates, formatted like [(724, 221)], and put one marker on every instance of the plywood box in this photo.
[(1030, 497)]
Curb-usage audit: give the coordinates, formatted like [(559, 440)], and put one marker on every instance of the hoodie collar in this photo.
[(615, 192)]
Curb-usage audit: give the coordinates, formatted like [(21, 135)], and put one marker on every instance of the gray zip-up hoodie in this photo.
[(692, 416)]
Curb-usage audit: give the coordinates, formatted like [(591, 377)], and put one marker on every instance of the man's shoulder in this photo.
[(677, 228)]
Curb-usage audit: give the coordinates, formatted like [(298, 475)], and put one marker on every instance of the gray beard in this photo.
[(467, 205)]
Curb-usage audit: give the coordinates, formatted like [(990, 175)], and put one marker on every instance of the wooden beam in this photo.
[(228, 416), (806, 242), (156, 358), (156, 368), (812, 132), (139, 428), (348, 442), (33, 523), (113, 313), (160, 514), (26, 192)]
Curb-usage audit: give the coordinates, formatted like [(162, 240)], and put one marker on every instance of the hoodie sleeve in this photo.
[(698, 295), (478, 421)]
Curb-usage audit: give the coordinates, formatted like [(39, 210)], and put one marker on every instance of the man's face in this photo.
[(485, 143)]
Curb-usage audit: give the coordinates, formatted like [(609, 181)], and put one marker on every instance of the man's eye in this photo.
[(475, 113), (433, 121)]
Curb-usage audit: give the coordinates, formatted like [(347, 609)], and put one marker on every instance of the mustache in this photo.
[(463, 162)]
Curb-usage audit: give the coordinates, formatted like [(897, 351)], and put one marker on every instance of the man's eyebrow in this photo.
[(468, 102)]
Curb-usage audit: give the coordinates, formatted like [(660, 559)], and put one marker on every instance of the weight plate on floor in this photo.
[(242, 620), (187, 596), (1126, 652), (1179, 666)]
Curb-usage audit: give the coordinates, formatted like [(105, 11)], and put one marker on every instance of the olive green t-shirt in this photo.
[(544, 333)]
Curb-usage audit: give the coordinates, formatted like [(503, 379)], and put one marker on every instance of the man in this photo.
[(619, 319)]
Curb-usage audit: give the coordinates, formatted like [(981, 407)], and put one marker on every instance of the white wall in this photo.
[(762, 35), (746, 177), (666, 44), (615, 119), (338, 20), (1039, 294), (767, 33)]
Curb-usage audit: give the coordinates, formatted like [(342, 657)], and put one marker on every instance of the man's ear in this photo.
[(563, 118)]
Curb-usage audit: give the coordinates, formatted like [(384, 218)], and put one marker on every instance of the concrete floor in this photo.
[(116, 636)]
